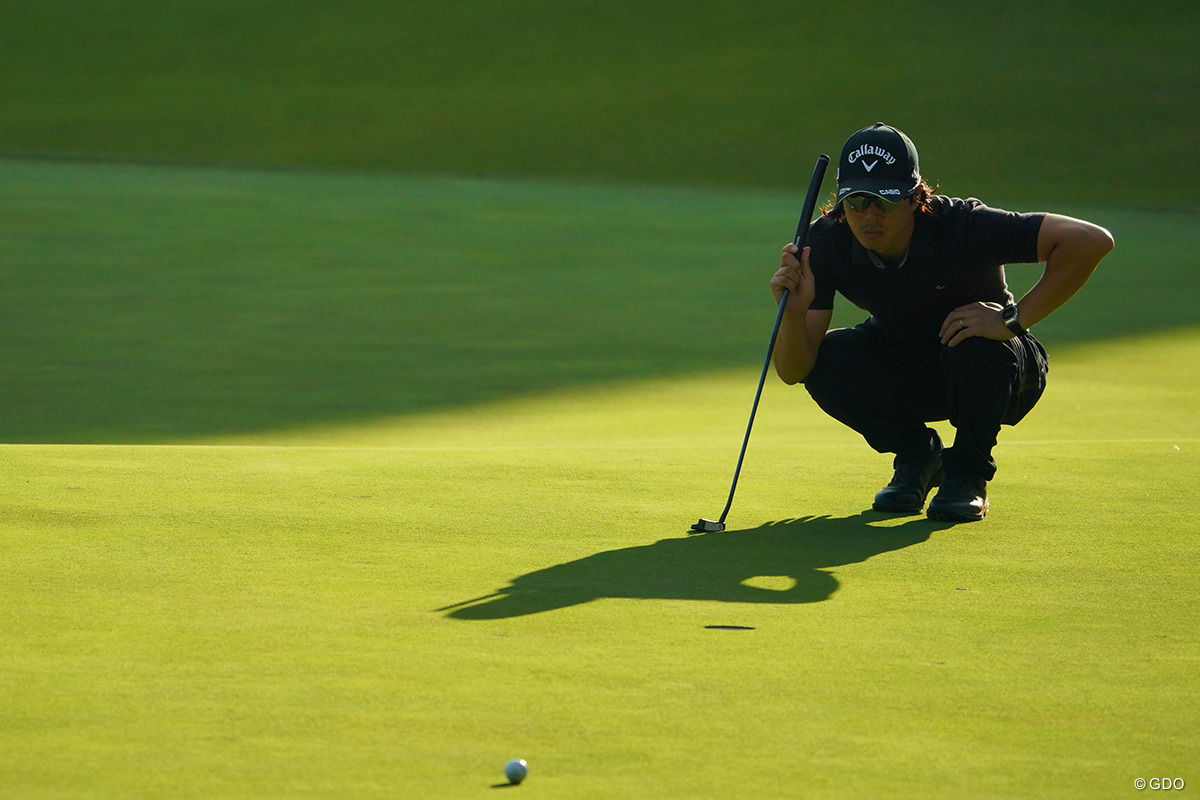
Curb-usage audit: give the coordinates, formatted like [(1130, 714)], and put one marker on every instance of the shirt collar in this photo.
[(879, 262)]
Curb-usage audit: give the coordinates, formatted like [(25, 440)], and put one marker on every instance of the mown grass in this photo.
[(328, 484), (402, 608), (385, 582)]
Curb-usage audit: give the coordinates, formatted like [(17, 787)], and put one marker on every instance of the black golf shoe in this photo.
[(910, 485), (960, 500)]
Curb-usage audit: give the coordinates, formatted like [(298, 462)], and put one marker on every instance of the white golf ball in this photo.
[(516, 770)]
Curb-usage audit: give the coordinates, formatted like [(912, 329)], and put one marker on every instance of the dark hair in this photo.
[(921, 195)]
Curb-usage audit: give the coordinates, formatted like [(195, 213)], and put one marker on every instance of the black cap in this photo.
[(880, 160)]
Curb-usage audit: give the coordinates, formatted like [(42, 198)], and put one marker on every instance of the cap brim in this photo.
[(880, 187)]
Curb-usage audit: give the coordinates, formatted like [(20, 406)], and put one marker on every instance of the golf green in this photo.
[(401, 617), (273, 527)]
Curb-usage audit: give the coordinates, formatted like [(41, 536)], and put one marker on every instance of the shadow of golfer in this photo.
[(709, 566)]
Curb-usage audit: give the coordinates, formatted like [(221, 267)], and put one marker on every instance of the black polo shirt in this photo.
[(957, 256)]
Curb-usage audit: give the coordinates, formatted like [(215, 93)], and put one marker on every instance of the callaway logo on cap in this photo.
[(880, 160)]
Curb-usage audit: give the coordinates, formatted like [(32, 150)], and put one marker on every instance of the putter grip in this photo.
[(810, 200)]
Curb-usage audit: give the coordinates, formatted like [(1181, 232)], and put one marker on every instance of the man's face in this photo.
[(887, 232)]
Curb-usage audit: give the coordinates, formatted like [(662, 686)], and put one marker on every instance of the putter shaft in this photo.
[(810, 204)]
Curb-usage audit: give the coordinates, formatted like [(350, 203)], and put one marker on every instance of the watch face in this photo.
[(1009, 317)]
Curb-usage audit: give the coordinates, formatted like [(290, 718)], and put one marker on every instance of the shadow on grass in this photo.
[(189, 303), (710, 566)]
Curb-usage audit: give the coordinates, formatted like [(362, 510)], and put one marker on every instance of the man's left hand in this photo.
[(974, 319)]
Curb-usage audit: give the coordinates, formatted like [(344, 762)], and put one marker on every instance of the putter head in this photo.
[(708, 526)]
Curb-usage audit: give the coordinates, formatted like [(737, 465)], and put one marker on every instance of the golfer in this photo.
[(945, 340)]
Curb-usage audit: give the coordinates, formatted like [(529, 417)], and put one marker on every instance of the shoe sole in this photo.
[(941, 515)]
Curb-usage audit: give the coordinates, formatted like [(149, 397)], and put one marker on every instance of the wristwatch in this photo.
[(1009, 315)]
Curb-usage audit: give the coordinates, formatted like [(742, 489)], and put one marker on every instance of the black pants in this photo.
[(887, 388)]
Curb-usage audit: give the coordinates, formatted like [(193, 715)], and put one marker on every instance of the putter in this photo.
[(810, 204)]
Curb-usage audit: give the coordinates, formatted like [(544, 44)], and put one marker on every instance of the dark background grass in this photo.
[(1071, 101)]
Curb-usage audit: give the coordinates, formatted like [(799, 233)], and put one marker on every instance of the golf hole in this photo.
[(728, 628)]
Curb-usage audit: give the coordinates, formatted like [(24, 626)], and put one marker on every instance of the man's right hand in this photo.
[(795, 276)]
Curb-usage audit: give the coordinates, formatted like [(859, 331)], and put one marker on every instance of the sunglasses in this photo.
[(859, 203)]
